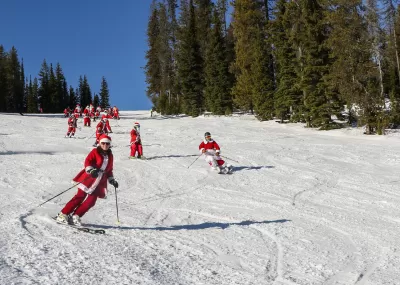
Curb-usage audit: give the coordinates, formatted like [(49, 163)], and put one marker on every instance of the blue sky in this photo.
[(93, 37)]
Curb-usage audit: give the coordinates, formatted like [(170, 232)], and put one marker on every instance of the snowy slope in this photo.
[(303, 206)]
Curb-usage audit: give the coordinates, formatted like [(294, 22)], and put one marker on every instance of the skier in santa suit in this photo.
[(93, 183), (86, 120), (101, 129), (86, 111), (72, 123), (136, 142), (107, 116), (211, 150), (115, 113), (77, 110)]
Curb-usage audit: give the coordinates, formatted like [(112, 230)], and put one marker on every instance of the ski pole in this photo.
[(76, 184), (230, 159), (116, 204), (195, 160), (91, 135)]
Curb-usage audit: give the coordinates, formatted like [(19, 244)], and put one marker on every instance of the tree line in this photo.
[(48, 92), (294, 60)]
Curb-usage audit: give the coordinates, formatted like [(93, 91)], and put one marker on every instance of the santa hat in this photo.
[(104, 138), (136, 124)]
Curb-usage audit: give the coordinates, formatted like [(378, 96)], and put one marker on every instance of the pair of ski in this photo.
[(82, 228), (230, 171)]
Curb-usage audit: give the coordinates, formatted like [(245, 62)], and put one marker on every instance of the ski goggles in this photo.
[(105, 143), (208, 137)]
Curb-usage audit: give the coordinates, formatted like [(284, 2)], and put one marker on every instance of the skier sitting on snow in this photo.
[(211, 150), (72, 123), (101, 129), (136, 142), (93, 183)]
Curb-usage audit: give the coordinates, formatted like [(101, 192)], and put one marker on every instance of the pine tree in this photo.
[(3, 80), (203, 12), (26, 95), (190, 66), (44, 92), (33, 90), (15, 86), (53, 95), (394, 66), (217, 94), (96, 100), (61, 89), (319, 102), (73, 99), (24, 86), (173, 97), (262, 70), (153, 65), (104, 94), (287, 98), (166, 61), (254, 86), (222, 8), (353, 72), (84, 92)]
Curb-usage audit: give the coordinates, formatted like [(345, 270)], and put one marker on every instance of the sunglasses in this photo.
[(105, 143), (208, 137)]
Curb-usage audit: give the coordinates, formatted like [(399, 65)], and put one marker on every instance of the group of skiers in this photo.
[(103, 127), (90, 112), (98, 167)]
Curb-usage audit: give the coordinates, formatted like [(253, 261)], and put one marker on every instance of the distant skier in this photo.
[(93, 183), (107, 116), (67, 112), (72, 124), (78, 111), (101, 129), (86, 120), (116, 113), (136, 142), (212, 152)]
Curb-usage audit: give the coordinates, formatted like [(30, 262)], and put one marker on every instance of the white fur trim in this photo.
[(88, 168), (106, 140), (201, 150), (91, 189), (206, 141)]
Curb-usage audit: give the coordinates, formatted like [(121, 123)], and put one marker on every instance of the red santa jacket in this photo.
[(72, 122), (99, 159), (101, 128), (135, 137), (209, 145)]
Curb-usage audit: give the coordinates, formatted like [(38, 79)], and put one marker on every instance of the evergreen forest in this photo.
[(311, 61), (48, 92)]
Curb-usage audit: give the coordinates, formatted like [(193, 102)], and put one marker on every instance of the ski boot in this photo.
[(62, 218)]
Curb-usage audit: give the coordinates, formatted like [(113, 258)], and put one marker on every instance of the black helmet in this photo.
[(207, 134)]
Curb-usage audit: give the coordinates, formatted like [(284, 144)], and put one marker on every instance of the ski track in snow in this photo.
[(302, 206)]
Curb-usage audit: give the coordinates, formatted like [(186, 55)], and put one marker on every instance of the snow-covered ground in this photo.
[(302, 207)]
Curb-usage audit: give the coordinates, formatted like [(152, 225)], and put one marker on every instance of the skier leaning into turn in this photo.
[(212, 152), (93, 183)]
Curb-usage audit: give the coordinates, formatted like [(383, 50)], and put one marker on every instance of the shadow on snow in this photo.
[(191, 227), (172, 155), (27, 152), (239, 168)]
